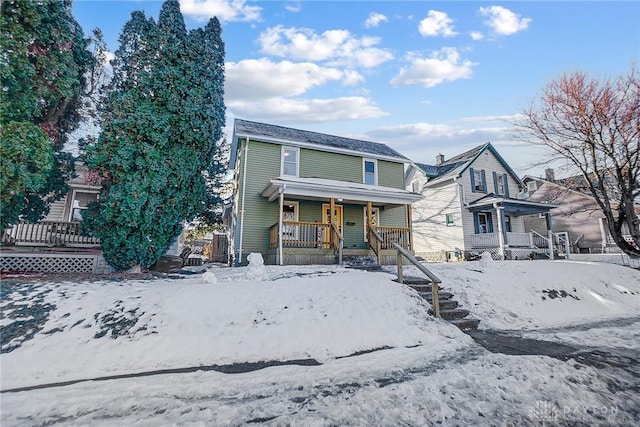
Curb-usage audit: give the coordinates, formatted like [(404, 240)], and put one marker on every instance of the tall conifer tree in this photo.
[(43, 67), (157, 138)]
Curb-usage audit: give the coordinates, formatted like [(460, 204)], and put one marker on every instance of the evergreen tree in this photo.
[(45, 58), (157, 139)]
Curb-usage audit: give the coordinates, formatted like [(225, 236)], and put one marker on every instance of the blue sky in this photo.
[(423, 77)]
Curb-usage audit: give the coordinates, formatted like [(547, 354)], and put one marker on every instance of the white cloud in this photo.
[(282, 110), (437, 24), (225, 10), (375, 19), (442, 65), (476, 35), (422, 141), (337, 47), (293, 7), (503, 21), (262, 78)]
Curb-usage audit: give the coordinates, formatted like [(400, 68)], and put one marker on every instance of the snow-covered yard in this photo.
[(327, 319)]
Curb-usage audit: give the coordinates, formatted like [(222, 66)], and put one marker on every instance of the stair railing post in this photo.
[(399, 262), (434, 298)]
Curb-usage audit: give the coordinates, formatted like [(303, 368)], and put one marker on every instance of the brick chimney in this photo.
[(439, 159), (549, 175)]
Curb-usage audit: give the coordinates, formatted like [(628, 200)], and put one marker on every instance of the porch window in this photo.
[(290, 164), (483, 222), (289, 213), (450, 219), (478, 181), (375, 219), (81, 200), (370, 171), (507, 223)]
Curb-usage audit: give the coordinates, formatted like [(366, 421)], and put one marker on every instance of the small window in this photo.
[(478, 181), (507, 223), (532, 186), (451, 219), (370, 171), (290, 161), (415, 186), (80, 203), (500, 184)]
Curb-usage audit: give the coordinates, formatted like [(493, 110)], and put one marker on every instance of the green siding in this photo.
[(390, 174), (260, 214), (263, 164), (320, 164), (394, 217)]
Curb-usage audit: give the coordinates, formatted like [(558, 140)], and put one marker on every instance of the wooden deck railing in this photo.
[(47, 233), (390, 235), (301, 235)]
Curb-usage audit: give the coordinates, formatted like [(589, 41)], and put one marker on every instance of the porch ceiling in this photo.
[(323, 189), (512, 207)]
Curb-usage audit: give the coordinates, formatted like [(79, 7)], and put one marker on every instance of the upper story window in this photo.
[(478, 181), (370, 171), (290, 161), (415, 186), (532, 186), (499, 184)]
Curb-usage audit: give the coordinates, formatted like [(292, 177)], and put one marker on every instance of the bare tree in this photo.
[(594, 127)]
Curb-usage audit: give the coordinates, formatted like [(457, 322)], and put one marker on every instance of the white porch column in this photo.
[(500, 212), (280, 255), (603, 234)]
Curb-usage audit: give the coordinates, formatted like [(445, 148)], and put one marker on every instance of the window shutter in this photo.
[(476, 224), (473, 183), (489, 223), (484, 181), (495, 183), (506, 185)]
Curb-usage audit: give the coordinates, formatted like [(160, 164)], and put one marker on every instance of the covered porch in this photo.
[(322, 221), (507, 239)]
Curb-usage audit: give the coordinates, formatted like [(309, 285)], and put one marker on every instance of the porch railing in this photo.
[(47, 233), (390, 235), (521, 240), (485, 240), (301, 235)]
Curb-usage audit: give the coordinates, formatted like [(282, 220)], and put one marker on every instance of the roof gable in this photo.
[(457, 165), (283, 135)]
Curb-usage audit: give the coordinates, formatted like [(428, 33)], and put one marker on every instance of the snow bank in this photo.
[(540, 294), (107, 328)]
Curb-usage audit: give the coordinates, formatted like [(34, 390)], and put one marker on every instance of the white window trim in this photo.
[(375, 170), (73, 199), (296, 210), (297, 150), (446, 222), (364, 222), (500, 183), (479, 184)]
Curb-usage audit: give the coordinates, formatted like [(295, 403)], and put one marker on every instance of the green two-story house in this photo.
[(303, 197)]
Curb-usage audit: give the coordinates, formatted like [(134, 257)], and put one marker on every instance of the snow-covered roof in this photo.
[(320, 141)]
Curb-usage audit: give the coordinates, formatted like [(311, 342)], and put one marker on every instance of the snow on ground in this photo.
[(424, 372), (100, 329), (515, 295)]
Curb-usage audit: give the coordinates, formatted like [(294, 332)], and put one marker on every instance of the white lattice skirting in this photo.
[(49, 263)]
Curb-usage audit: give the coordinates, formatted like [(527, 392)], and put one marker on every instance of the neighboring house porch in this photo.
[(498, 228)]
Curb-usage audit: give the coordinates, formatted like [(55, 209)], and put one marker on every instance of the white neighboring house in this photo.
[(471, 205)]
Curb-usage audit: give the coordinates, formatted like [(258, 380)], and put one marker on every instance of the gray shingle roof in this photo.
[(452, 166), (257, 130)]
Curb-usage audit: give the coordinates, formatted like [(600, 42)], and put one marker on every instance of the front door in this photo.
[(337, 217)]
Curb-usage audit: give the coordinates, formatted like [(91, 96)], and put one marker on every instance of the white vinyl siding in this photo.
[(430, 231)]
